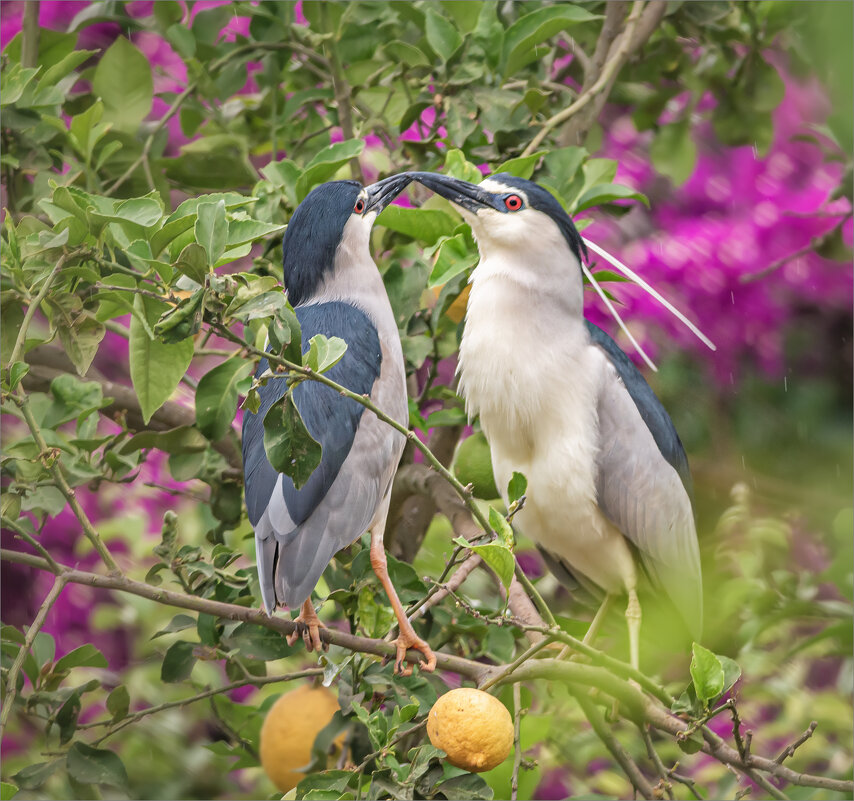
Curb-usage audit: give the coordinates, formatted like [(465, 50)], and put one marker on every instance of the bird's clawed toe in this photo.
[(308, 626), (405, 642)]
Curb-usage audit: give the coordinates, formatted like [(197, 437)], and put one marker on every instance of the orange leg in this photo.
[(407, 637), (309, 625)]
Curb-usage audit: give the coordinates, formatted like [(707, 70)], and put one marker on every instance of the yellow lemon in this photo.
[(289, 730), (472, 727), (473, 465)]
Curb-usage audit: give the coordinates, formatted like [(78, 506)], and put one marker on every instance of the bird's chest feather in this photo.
[(528, 370)]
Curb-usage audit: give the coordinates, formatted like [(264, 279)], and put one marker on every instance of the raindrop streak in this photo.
[(785, 383)]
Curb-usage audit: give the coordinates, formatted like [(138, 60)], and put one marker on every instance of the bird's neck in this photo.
[(355, 279), (542, 273)]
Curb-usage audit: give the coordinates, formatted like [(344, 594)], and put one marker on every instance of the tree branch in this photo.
[(604, 69), (624, 760), (255, 681), (638, 706)]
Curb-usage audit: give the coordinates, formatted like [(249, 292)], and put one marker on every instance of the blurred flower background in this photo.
[(752, 240)]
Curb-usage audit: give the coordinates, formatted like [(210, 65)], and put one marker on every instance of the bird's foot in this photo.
[(308, 626), (408, 640)]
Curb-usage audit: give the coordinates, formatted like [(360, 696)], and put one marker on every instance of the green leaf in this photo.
[(84, 656), (442, 36), (144, 211), (34, 776), (178, 662), (7, 791), (425, 225), (498, 557), (501, 527), (178, 623), (732, 672), (183, 439), (458, 166), (516, 487), (452, 258), (123, 81), (72, 398), (183, 321), (16, 373), (118, 703), (326, 163), (66, 717), (156, 368), (80, 335), (707, 672), (258, 643), (404, 53), (522, 166), (673, 152), (523, 36), (290, 448), (265, 304), (324, 353), (465, 787), (211, 229), (606, 193), (193, 262), (243, 231), (375, 619), (95, 766), (216, 397)]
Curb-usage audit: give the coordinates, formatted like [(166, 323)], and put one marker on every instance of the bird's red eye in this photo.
[(513, 202), (360, 206)]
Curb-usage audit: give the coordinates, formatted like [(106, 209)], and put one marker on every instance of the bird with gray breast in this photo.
[(560, 402), (336, 290)]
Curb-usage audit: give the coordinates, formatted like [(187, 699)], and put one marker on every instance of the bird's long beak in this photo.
[(469, 196), (383, 192)]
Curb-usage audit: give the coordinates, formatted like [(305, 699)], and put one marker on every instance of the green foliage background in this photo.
[(118, 239)]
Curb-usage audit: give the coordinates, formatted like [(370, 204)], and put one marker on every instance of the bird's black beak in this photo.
[(383, 192), (470, 197)]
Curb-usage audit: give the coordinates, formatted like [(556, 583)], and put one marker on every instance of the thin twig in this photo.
[(28, 538), (256, 681), (12, 677), (611, 68), (690, 783), (453, 584), (662, 771), (521, 659), (517, 743), (789, 750), (814, 243), (51, 461), (34, 306)]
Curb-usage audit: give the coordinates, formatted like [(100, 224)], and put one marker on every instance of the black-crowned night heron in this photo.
[(560, 402), (337, 291)]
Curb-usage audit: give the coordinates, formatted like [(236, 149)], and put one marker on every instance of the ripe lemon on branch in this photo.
[(472, 727), (288, 733)]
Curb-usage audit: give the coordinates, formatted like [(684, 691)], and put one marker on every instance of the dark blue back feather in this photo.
[(330, 418), (651, 411)]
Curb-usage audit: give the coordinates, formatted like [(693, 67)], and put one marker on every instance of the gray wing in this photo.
[(292, 558), (296, 560), (643, 494)]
